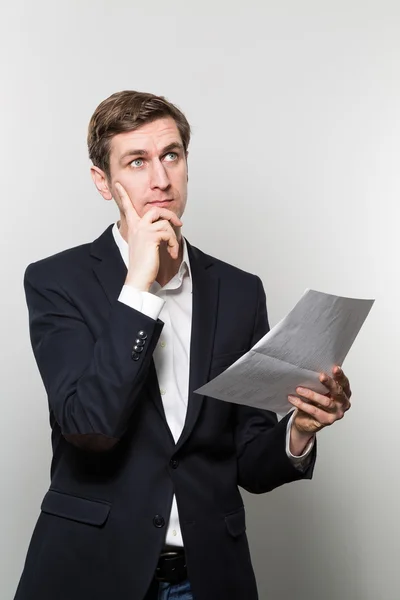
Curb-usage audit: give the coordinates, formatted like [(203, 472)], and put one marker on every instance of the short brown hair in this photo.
[(127, 111)]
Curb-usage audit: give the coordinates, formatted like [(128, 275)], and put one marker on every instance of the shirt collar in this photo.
[(176, 281)]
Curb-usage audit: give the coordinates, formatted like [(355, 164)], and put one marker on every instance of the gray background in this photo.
[(294, 175)]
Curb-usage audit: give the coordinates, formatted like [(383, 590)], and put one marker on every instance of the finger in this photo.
[(318, 414), (334, 387), (338, 392), (172, 242), (127, 206), (327, 402), (162, 225), (165, 226), (339, 376), (334, 402), (157, 213)]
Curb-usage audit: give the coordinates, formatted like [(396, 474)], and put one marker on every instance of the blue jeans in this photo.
[(180, 591)]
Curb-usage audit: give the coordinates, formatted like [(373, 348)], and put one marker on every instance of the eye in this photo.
[(138, 162), (171, 156)]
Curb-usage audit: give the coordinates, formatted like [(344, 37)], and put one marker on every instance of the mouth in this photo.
[(160, 202)]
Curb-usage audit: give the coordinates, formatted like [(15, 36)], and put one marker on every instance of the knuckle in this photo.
[(346, 407)]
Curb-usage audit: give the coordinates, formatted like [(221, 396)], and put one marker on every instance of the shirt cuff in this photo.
[(300, 462), (144, 302)]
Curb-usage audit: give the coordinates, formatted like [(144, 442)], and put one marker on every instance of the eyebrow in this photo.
[(139, 152)]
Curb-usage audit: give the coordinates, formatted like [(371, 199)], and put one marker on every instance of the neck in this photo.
[(168, 266)]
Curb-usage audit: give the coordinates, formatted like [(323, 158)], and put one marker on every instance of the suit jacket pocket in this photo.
[(236, 522), (92, 512)]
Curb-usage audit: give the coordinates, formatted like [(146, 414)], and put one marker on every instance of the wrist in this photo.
[(137, 284), (299, 440)]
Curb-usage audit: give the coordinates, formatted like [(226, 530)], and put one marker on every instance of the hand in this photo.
[(318, 410), (144, 238)]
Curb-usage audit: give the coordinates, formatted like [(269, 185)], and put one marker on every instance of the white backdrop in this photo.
[(294, 175)]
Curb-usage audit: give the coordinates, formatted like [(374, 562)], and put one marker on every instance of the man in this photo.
[(144, 499)]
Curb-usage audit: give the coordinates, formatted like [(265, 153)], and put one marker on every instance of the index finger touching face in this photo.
[(127, 206)]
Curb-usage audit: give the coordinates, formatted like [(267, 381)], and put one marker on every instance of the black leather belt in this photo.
[(171, 566)]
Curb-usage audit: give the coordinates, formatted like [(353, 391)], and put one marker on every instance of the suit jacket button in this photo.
[(142, 335), (174, 463), (158, 521), (138, 349), (135, 356), (139, 342)]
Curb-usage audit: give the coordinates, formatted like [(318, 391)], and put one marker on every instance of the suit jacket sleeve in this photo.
[(260, 440), (93, 385)]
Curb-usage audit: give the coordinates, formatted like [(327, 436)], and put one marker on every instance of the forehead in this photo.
[(150, 137)]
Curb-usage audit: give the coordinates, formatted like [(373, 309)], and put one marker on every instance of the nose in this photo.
[(159, 176)]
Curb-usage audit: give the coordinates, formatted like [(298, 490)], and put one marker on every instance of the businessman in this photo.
[(144, 501)]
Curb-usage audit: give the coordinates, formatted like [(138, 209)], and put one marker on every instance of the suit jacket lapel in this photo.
[(204, 317), (110, 269)]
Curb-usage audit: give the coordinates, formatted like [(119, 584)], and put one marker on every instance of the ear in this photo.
[(187, 165), (101, 182)]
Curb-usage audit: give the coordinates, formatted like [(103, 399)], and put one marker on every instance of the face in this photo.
[(150, 163)]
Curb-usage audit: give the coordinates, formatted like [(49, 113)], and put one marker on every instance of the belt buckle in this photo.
[(170, 574)]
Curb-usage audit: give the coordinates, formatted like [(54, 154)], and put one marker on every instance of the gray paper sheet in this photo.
[(316, 335)]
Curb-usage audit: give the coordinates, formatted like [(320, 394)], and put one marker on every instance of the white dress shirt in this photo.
[(172, 303)]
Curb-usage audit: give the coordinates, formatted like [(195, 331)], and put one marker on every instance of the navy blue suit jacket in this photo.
[(115, 465)]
